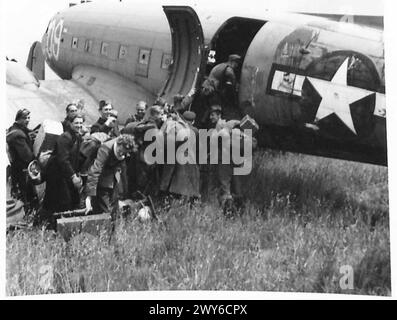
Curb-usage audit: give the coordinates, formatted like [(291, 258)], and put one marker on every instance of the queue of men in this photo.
[(95, 168)]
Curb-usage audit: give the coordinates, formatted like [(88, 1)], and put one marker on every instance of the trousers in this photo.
[(106, 201)]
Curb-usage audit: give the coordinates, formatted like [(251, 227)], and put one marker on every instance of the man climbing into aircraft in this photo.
[(221, 87), (182, 103)]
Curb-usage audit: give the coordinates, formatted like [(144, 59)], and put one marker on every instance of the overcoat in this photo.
[(182, 179), (20, 152), (61, 195)]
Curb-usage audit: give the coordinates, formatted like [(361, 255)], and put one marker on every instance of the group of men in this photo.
[(110, 162)]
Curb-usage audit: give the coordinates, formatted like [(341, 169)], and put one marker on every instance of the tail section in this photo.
[(36, 61)]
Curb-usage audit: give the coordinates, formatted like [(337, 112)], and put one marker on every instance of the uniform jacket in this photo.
[(20, 146), (66, 124), (133, 118), (100, 126), (223, 78), (223, 73), (140, 130), (105, 171)]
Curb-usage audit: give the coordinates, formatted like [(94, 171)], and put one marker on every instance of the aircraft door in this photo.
[(187, 50)]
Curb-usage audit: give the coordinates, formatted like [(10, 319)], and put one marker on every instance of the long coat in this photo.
[(20, 146), (61, 195), (20, 149), (183, 179)]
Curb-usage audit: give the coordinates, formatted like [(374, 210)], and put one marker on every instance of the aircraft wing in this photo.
[(107, 85), (47, 99)]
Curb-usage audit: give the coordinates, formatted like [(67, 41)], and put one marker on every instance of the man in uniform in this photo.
[(221, 175), (181, 179), (141, 107), (71, 111), (107, 122), (224, 84), (146, 175), (20, 149), (182, 103)]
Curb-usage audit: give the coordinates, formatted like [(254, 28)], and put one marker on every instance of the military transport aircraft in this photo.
[(314, 85)]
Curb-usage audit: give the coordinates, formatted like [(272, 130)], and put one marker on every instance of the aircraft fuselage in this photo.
[(313, 85)]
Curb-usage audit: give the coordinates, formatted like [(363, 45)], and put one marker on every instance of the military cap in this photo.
[(21, 114), (189, 115), (234, 57), (102, 103)]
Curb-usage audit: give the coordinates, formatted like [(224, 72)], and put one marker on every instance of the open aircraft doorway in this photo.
[(234, 37)]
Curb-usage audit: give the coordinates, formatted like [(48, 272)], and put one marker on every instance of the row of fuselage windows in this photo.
[(143, 57), (104, 50)]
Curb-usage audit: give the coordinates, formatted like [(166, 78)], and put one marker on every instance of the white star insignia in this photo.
[(337, 96)]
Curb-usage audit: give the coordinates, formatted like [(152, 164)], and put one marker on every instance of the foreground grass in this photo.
[(305, 219)]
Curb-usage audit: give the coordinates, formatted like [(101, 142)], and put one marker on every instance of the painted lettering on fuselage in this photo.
[(54, 38)]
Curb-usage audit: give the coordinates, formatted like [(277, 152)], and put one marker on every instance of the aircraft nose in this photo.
[(45, 39), (52, 37)]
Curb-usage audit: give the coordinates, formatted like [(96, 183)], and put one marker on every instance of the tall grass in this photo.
[(305, 217)]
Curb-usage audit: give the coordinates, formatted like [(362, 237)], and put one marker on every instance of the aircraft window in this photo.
[(166, 61), (122, 52), (75, 42), (287, 82), (88, 46), (142, 67), (104, 48), (144, 56)]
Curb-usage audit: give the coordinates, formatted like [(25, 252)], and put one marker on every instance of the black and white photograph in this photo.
[(196, 146)]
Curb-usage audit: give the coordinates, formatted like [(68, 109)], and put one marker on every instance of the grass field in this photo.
[(306, 218)]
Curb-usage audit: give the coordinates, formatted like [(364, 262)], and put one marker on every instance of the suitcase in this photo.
[(249, 123), (72, 223)]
